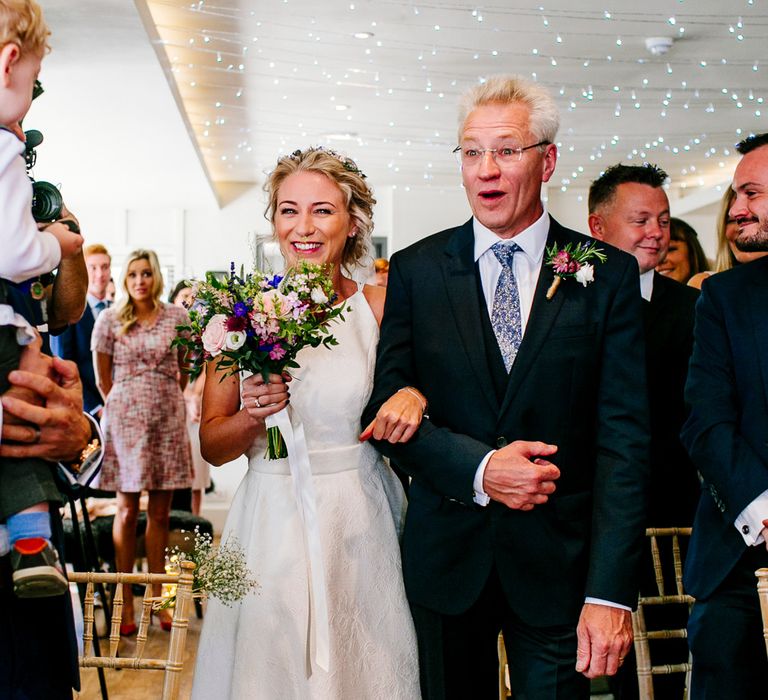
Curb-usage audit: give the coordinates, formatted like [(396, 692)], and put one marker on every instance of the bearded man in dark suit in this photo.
[(528, 492), (727, 436)]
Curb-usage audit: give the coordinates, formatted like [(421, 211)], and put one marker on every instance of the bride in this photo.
[(330, 618)]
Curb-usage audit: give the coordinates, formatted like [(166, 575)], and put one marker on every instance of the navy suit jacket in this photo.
[(726, 432), (669, 317), (75, 344), (578, 382)]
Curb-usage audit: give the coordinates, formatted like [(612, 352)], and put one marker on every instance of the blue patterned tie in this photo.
[(505, 317), (99, 306)]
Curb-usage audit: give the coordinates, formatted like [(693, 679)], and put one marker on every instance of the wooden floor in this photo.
[(128, 684)]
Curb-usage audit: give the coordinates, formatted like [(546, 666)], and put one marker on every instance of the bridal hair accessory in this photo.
[(258, 324), (573, 261), (347, 162)]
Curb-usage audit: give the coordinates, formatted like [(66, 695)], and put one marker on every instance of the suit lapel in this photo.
[(759, 298), (542, 316), (462, 292)]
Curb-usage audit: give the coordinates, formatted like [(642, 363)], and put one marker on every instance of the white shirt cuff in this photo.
[(750, 520), (481, 497), (607, 603)]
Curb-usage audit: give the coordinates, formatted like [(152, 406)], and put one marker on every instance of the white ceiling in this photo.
[(253, 79)]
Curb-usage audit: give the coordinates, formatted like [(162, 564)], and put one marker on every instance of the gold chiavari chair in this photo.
[(645, 670), (173, 663)]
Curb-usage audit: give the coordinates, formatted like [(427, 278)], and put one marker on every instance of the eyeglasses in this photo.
[(503, 155)]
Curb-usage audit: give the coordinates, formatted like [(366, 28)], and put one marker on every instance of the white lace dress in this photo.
[(259, 648)]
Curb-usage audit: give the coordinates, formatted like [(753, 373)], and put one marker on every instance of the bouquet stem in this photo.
[(275, 444)]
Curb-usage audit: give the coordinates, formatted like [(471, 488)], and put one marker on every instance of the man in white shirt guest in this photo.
[(75, 342)]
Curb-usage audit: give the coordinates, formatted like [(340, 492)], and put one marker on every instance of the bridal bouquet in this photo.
[(220, 571), (259, 323)]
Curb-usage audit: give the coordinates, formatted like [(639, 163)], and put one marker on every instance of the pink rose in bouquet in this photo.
[(214, 337)]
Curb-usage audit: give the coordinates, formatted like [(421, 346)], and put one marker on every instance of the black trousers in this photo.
[(38, 650), (458, 657), (725, 633)]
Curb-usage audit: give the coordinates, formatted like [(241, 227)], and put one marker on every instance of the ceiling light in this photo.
[(659, 45), (363, 35)]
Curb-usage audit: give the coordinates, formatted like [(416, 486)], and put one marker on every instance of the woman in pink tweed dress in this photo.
[(146, 443)]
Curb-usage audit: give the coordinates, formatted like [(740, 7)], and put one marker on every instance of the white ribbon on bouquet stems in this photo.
[(292, 430)]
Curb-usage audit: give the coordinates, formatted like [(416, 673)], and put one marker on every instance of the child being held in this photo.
[(27, 486)]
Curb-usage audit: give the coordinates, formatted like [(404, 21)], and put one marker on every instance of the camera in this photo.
[(47, 201)]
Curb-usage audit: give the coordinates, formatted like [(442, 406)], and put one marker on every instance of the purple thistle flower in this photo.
[(240, 309)]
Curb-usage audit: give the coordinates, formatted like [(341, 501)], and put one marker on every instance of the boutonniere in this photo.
[(573, 261)]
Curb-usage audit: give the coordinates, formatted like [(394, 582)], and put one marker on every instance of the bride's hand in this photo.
[(399, 418), (261, 399)]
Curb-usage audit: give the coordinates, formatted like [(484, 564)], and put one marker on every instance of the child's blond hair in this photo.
[(22, 23)]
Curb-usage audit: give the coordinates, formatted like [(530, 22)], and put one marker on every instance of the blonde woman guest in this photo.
[(271, 645), (146, 444), (728, 255), (182, 296)]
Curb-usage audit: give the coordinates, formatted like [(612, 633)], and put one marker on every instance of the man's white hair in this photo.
[(510, 89)]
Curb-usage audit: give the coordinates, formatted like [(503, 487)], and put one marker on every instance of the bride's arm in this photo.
[(227, 427)]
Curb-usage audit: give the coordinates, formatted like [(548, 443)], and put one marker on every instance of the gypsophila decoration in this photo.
[(221, 572)]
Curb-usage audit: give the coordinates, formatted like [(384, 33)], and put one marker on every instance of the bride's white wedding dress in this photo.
[(259, 648)]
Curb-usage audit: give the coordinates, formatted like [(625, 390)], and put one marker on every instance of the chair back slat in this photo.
[(144, 621), (117, 616), (173, 663), (88, 617), (678, 563)]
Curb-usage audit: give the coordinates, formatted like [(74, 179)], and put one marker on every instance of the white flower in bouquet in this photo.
[(318, 296), (235, 340)]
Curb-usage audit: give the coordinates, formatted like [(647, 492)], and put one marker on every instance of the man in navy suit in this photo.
[(527, 501), (75, 342), (726, 435)]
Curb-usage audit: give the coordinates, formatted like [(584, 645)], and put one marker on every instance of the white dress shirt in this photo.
[(526, 267), (646, 285)]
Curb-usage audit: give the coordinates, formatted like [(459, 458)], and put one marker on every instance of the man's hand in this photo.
[(59, 431), (604, 637), (518, 477)]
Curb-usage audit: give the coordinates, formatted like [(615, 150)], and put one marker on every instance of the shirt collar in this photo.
[(532, 240), (646, 285), (92, 300)]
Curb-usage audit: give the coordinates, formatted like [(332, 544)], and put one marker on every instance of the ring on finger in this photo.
[(36, 435), (257, 402)]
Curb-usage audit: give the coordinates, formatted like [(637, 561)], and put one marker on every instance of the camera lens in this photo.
[(46, 201)]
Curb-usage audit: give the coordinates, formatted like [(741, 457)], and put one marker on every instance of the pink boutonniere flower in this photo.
[(573, 261)]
